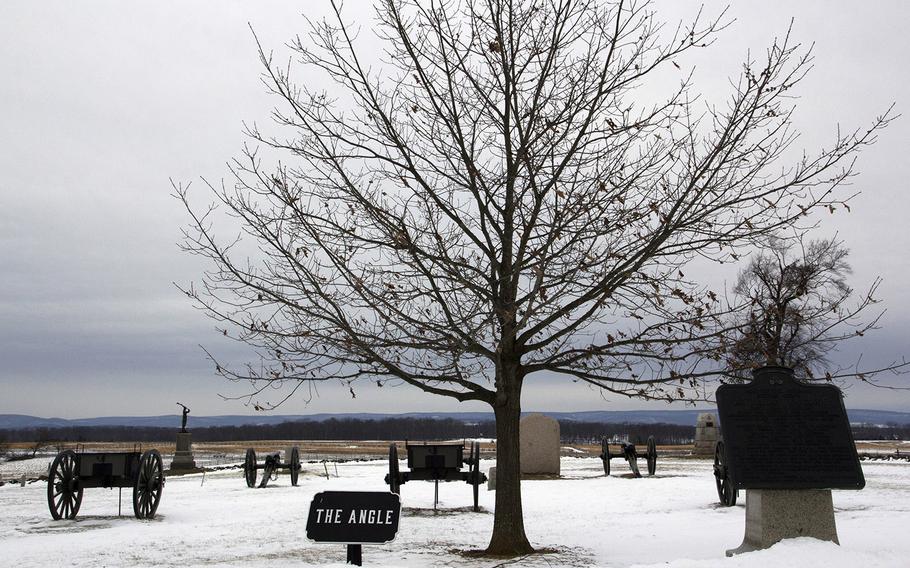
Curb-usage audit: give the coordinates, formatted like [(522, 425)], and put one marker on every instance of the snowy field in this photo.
[(671, 520)]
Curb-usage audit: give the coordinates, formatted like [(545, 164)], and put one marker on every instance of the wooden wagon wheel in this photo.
[(295, 465), (652, 455), (725, 491), (64, 494), (249, 467), (393, 479), (149, 484), (475, 473), (605, 455)]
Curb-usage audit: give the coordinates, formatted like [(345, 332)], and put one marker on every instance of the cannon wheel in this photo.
[(605, 455), (249, 467), (652, 455), (394, 478), (725, 491), (295, 465), (475, 473), (64, 494), (149, 484)]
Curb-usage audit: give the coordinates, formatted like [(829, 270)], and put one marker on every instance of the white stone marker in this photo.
[(539, 442)]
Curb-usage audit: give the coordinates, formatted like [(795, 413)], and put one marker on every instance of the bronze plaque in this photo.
[(782, 434)]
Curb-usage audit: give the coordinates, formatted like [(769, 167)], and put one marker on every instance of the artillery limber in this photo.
[(629, 453), (436, 462), (70, 473), (271, 466)]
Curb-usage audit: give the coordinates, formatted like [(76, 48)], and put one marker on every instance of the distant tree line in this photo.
[(386, 429), (348, 429), (875, 432), (592, 432)]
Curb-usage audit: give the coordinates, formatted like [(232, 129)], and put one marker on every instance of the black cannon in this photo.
[(70, 473), (726, 492), (630, 454), (270, 467), (436, 462)]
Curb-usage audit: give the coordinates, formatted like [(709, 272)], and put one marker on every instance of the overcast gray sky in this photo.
[(102, 102)]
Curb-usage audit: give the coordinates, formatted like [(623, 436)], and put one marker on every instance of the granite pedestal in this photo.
[(775, 514), (183, 457)]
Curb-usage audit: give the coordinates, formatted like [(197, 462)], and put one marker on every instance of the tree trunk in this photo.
[(509, 537)]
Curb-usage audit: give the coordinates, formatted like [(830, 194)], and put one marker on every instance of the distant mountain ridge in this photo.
[(681, 417)]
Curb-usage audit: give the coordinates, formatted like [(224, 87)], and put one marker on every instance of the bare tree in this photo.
[(494, 202), (798, 308), (42, 440)]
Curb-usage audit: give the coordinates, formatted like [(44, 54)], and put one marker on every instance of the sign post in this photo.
[(353, 518)]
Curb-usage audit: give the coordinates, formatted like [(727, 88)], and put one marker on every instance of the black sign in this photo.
[(353, 517), (782, 434)]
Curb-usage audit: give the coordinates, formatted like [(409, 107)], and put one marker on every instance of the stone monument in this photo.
[(705, 434), (183, 456), (539, 442), (788, 444), (491, 479)]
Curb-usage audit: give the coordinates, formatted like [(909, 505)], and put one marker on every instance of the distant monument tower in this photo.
[(705, 434), (183, 457)]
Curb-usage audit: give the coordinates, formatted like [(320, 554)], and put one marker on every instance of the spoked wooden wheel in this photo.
[(475, 473), (393, 479), (605, 455), (295, 465), (149, 484), (249, 467), (64, 494), (725, 491), (652, 455)]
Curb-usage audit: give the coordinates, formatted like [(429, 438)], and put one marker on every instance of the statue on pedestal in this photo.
[(186, 411), (183, 456)]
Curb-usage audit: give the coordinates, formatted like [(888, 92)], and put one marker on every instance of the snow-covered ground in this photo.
[(671, 520)]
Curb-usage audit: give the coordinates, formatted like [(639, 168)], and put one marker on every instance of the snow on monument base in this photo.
[(773, 515)]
